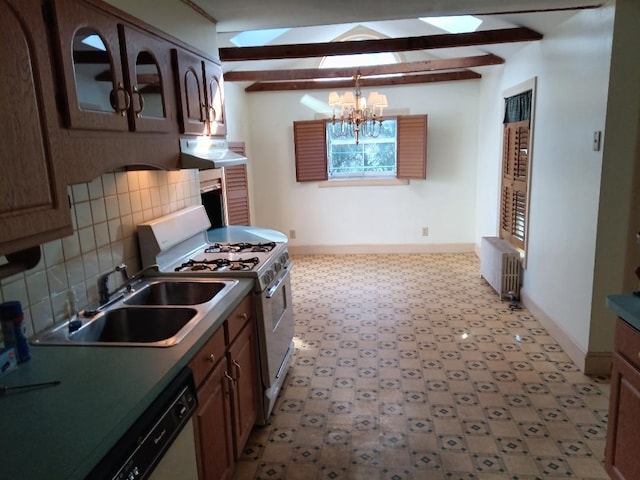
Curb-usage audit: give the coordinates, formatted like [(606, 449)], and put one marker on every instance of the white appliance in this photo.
[(179, 244)]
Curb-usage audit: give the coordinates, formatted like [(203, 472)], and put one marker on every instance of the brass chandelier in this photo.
[(358, 116)]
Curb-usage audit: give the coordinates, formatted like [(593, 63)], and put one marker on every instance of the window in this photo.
[(372, 157), (318, 159), (516, 149)]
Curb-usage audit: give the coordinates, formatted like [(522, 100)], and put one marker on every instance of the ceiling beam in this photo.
[(448, 40), (365, 82), (408, 67)]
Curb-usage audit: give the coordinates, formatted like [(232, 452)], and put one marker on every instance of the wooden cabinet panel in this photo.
[(214, 94), (238, 318), (207, 357), (242, 358), (623, 425), (200, 95), (88, 48), (33, 196), (227, 394), (116, 76), (213, 427), (623, 430), (148, 78), (190, 91)]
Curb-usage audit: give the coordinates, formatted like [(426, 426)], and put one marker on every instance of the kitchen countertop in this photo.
[(240, 233), (626, 307), (63, 431)]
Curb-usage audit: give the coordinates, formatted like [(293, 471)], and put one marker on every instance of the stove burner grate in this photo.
[(218, 264), (240, 247)]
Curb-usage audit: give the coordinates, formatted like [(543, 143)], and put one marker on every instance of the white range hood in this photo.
[(206, 152)]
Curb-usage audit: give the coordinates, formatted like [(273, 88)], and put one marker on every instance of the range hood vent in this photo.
[(205, 153)]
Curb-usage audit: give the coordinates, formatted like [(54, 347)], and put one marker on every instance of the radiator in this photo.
[(500, 266)]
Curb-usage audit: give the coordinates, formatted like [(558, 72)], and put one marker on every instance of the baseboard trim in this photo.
[(590, 363), (380, 249)]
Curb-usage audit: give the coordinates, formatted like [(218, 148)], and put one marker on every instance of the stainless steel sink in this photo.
[(134, 325), (175, 293), (157, 313)]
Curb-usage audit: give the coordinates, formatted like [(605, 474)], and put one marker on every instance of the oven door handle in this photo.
[(271, 292)]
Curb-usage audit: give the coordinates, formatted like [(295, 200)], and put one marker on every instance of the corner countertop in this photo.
[(241, 233), (626, 307), (63, 431)]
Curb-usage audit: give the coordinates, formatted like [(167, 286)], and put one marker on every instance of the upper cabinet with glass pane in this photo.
[(201, 96), (116, 77)]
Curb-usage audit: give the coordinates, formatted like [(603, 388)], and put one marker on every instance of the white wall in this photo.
[(572, 70), (445, 202), (617, 253), (175, 18)]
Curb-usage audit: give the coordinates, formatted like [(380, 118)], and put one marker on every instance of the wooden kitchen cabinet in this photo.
[(213, 427), (34, 207), (244, 395), (117, 96), (200, 95), (116, 76), (623, 429), (226, 374)]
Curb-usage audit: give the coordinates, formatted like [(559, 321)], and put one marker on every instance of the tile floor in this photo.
[(410, 367)]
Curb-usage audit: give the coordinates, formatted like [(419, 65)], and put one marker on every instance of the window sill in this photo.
[(364, 182)]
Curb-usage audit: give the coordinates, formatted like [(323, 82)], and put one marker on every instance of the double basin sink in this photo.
[(156, 313)]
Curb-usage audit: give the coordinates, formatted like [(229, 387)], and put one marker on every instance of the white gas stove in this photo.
[(179, 244)]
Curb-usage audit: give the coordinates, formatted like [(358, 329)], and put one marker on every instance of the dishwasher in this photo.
[(160, 445)]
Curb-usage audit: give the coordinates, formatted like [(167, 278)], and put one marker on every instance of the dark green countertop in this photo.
[(63, 431), (626, 307)]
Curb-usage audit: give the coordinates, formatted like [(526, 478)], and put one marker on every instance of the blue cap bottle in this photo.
[(13, 329)]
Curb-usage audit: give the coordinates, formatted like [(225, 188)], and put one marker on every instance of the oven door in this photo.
[(276, 327)]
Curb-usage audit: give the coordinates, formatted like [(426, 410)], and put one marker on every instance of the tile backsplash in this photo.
[(105, 213)]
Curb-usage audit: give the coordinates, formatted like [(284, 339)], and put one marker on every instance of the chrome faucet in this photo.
[(103, 282), (128, 284)]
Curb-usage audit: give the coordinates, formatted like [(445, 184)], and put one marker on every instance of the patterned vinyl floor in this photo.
[(410, 367)]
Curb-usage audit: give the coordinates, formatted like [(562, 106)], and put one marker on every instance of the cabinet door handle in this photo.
[(212, 358), (237, 367), (140, 101), (244, 316), (229, 377), (114, 99)]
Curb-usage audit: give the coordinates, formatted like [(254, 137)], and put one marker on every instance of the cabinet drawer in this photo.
[(627, 342), (207, 357), (239, 317)]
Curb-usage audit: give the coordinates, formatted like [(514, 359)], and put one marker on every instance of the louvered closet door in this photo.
[(515, 173), (236, 187)]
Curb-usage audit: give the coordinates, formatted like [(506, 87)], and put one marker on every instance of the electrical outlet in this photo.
[(425, 231), (292, 234)]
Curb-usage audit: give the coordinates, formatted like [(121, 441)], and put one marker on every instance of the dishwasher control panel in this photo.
[(142, 447)]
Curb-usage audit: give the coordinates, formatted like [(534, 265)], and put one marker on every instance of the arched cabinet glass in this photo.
[(95, 85), (148, 101)]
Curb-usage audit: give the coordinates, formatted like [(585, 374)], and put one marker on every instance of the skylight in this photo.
[(458, 24), (358, 60), (257, 38), (94, 41)]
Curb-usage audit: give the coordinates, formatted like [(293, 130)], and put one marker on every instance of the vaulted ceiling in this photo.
[(427, 53)]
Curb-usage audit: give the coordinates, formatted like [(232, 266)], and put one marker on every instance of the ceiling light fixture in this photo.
[(358, 116)]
